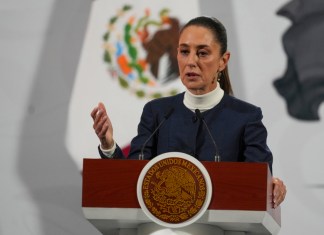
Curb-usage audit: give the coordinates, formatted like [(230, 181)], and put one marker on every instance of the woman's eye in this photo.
[(202, 53), (184, 52)]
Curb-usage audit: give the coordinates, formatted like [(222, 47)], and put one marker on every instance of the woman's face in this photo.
[(199, 59)]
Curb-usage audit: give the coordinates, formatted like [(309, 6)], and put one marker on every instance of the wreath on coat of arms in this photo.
[(141, 52)]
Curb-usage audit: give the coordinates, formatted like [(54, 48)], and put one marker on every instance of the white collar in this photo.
[(203, 102)]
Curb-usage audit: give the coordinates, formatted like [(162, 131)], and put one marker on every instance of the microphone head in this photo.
[(198, 113)]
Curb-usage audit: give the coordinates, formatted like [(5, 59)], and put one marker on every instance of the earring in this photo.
[(219, 76)]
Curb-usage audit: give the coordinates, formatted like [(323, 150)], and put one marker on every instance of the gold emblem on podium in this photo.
[(174, 189)]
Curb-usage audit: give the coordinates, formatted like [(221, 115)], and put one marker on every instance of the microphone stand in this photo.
[(217, 156), (166, 116)]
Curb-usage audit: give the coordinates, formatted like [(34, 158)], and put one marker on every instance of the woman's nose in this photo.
[(192, 59)]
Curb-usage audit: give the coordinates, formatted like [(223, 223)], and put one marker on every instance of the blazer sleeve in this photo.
[(118, 154), (255, 140)]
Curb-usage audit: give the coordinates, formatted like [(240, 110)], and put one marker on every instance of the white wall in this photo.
[(40, 43), (296, 145)]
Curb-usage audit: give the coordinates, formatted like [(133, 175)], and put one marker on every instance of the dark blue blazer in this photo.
[(235, 125)]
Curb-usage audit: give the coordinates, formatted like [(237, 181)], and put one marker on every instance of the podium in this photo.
[(241, 200)]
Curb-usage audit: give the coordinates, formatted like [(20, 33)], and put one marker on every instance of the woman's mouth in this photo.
[(192, 75)]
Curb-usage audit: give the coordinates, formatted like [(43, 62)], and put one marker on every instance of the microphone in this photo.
[(200, 117), (166, 116)]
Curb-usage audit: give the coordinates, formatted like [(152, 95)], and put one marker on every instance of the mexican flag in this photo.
[(128, 58)]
